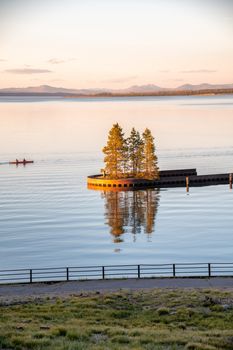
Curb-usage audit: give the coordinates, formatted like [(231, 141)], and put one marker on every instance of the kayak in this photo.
[(22, 162)]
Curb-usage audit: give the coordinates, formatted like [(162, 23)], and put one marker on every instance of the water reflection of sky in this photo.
[(49, 217), (70, 126)]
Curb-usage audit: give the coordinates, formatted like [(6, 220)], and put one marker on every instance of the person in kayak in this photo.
[(16, 161)]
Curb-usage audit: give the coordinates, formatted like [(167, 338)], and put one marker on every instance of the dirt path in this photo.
[(25, 291)]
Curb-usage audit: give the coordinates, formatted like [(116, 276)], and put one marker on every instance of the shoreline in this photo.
[(121, 95), (18, 292)]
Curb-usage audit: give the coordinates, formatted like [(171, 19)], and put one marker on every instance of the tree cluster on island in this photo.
[(130, 157)]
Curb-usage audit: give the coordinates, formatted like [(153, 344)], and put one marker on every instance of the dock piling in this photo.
[(230, 181), (187, 183)]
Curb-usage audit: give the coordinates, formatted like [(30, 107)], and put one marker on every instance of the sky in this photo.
[(115, 43)]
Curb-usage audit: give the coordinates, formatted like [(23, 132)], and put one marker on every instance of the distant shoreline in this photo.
[(208, 92)]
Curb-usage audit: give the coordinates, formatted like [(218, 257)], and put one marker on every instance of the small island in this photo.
[(131, 163), (128, 160)]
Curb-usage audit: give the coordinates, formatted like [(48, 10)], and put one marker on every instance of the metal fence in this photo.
[(116, 271)]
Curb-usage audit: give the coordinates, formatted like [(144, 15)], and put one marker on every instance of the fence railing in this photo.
[(116, 271)]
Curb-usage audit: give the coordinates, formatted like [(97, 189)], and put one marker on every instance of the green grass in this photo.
[(159, 319)]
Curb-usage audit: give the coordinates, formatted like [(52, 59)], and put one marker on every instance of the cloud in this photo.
[(164, 71), (27, 71), (58, 61), (2, 60), (199, 71), (120, 80), (55, 61)]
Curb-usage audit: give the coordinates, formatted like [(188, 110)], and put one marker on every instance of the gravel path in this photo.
[(9, 293)]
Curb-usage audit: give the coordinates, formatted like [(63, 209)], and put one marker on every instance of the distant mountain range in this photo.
[(149, 89), (204, 86)]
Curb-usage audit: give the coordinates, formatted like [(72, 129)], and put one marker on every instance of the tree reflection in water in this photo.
[(131, 211)]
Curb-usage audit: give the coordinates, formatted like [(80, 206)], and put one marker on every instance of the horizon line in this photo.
[(115, 89)]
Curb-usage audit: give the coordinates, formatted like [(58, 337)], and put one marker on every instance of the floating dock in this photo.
[(168, 178)]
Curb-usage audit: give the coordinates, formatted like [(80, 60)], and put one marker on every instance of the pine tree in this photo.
[(135, 152), (150, 162), (115, 153)]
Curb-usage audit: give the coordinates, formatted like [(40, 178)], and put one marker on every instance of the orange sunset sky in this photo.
[(115, 43)]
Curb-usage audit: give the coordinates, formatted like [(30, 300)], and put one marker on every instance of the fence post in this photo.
[(67, 273), (209, 270), (174, 270), (30, 275), (139, 272), (103, 273)]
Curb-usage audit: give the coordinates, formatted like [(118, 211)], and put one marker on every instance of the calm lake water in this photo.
[(49, 217)]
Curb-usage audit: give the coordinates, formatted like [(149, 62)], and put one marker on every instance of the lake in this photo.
[(50, 218)]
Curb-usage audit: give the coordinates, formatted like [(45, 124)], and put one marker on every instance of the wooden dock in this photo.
[(193, 180), (168, 178)]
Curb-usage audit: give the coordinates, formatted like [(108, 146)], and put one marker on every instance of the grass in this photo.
[(159, 319)]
